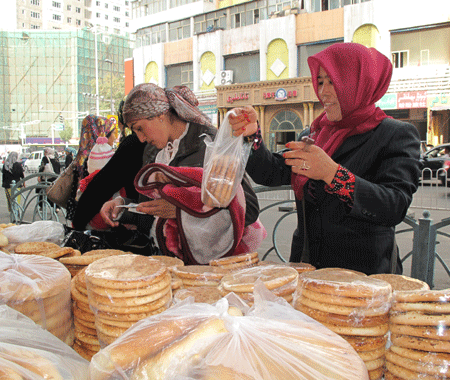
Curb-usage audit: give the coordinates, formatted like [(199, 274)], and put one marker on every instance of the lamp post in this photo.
[(95, 31), (112, 105)]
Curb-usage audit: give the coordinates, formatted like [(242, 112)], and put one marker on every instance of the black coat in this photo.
[(385, 162), (16, 174)]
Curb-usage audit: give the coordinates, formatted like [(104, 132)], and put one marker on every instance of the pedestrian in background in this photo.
[(12, 171)]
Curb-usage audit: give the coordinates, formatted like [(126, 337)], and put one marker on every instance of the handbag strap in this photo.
[(394, 256), (305, 251)]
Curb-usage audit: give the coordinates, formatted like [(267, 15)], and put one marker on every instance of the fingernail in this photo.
[(248, 120), (243, 128), (246, 115), (287, 145)]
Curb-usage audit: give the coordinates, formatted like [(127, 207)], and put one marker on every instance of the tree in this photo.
[(67, 133), (104, 89)]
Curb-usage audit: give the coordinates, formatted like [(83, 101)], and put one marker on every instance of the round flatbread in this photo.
[(429, 332), (409, 369), (436, 358), (125, 272), (420, 319), (401, 282), (419, 343), (170, 262), (200, 272), (35, 247), (201, 294), (364, 302), (235, 259), (273, 276), (434, 296), (345, 283)]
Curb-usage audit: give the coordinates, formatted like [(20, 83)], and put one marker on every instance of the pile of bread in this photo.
[(395, 324)]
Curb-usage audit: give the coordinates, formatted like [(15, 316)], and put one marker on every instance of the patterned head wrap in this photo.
[(10, 160), (92, 128), (146, 101)]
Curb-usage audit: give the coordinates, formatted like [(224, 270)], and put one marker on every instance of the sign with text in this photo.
[(412, 99)]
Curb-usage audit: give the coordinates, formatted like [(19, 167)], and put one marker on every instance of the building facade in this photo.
[(45, 77), (234, 53), (113, 16)]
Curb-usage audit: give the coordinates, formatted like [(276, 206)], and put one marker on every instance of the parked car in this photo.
[(32, 163), (433, 164)]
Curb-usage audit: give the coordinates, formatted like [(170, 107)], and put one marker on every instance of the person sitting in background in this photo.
[(100, 154), (355, 174), (123, 127), (69, 157), (92, 128), (12, 171)]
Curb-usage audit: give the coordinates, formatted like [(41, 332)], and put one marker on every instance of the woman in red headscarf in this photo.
[(354, 172)]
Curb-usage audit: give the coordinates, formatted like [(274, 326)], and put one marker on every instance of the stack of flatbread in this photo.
[(200, 275), (172, 263), (236, 262), (280, 279), (419, 321), (124, 289), (77, 262), (352, 305), (86, 341), (38, 287), (47, 249)]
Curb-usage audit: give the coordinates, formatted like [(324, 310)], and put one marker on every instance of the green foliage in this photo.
[(67, 133), (104, 89)]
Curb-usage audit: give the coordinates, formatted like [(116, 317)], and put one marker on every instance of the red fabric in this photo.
[(360, 77), (184, 191)]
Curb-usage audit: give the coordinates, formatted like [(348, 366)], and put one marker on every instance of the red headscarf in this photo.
[(360, 77)]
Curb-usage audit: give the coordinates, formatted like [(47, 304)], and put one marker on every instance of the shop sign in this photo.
[(412, 99), (280, 94), (241, 96), (388, 102)]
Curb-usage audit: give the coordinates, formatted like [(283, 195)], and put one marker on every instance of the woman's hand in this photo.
[(109, 211), (244, 121), (158, 207), (310, 161)]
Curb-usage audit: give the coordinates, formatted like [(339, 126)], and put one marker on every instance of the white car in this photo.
[(32, 163)]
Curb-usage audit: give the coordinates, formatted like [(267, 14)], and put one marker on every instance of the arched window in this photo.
[(284, 127)]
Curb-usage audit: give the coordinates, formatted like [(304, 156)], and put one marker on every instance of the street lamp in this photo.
[(112, 105)]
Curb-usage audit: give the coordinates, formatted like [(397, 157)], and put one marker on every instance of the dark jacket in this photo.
[(385, 162), (16, 174)]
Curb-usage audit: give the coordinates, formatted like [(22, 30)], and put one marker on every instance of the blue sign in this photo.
[(281, 94)]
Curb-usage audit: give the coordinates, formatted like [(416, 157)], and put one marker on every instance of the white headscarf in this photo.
[(10, 160)]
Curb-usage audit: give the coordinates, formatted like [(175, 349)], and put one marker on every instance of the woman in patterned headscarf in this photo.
[(169, 119), (92, 128)]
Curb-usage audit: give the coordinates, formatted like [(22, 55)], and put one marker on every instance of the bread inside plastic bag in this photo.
[(199, 341)]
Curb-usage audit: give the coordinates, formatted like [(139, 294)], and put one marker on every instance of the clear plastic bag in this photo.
[(29, 352), (227, 340), (38, 287), (42, 230), (224, 166)]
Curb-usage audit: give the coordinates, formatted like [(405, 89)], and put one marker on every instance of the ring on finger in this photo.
[(304, 166)]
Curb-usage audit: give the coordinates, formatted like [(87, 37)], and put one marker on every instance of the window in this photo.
[(56, 17), (23, 11), (69, 7), (97, 15), (34, 2), (127, 24), (116, 19), (400, 59), (34, 26), (126, 2), (106, 5), (69, 20), (425, 57), (180, 75), (127, 14), (35, 14), (97, 3), (78, 22), (179, 30), (78, 10), (116, 8), (56, 4), (210, 21), (106, 17)]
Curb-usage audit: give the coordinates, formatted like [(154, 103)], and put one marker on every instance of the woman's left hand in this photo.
[(310, 161), (158, 207)]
